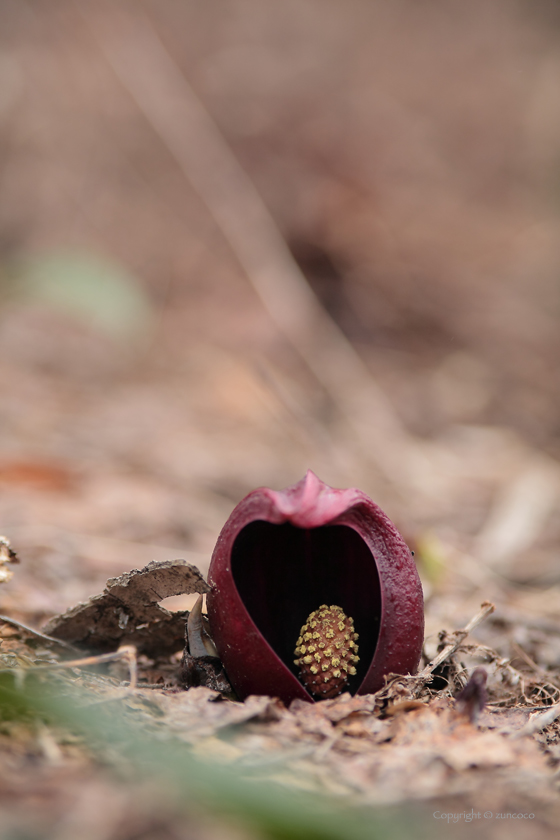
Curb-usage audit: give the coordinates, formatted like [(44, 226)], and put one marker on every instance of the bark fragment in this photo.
[(128, 612)]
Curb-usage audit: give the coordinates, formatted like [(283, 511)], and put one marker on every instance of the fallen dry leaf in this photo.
[(127, 612)]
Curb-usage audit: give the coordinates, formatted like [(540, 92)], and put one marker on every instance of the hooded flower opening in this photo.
[(283, 573)]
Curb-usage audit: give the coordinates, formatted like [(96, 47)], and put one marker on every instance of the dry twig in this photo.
[(156, 83), (538, 722), (486, 609), (126, 652), (46, 638)]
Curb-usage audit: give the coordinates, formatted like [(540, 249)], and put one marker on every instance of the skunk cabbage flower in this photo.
[(297, 576)]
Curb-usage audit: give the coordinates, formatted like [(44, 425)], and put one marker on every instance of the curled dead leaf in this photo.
[(128, 612)]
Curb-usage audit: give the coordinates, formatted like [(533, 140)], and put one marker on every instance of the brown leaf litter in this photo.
[(412, 740), (7, 558)]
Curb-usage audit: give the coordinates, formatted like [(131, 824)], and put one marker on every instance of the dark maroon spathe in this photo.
[(281, 555)]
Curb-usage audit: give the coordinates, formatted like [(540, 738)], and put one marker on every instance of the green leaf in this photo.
[(90, 288)]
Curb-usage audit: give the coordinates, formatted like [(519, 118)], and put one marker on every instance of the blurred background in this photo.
[(240, 240), (175, 178)]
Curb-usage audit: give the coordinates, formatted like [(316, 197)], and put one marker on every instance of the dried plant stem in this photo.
[(126, 652), (538, 722), (156, 83), (528, 660), (486, 609), (21, 626)]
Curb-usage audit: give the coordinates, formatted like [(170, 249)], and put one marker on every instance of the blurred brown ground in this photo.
[(409, 154)]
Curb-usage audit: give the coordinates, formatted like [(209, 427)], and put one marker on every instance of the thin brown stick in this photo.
[(486, 609), (528, 660), (126, 652), (538, 722), (147, 71), (19, 624)]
